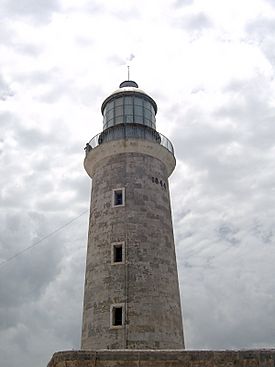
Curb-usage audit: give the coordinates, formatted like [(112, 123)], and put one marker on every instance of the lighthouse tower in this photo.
[(131, 296)]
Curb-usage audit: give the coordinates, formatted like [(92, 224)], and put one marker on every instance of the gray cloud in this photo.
[(117, 60), (28, 49), (261, 27), (30, 159), (38, 11), (271, 2), (262, 32), (94, 7), (195, 22), (179, 3), (34, 139), (35, 287), (58, 86), (80, 185), (7, 33), (5, 90), (11, 40), (128, 14)]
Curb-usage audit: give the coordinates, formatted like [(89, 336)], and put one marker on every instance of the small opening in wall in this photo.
[(118, 253), (118, 197), (117, 315)]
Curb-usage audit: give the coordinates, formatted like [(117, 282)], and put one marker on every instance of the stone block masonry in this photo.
[(145, 284), (162, 358)]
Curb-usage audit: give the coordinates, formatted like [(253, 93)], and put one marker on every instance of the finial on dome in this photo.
[(128, 83)]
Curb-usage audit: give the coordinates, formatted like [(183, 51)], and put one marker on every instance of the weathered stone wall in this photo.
[(147, 283), (135, 358)]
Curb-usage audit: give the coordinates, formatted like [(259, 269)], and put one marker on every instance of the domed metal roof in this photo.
[(128, 83)]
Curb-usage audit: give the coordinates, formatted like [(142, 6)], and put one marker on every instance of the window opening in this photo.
[(118, 197), (117, 315), (117, 253)]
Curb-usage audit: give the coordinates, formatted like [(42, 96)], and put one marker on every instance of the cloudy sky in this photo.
[(210, 66)]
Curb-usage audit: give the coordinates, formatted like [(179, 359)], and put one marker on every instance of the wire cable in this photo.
[(41, 239)]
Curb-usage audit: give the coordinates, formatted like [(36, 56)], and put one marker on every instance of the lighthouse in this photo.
[(131, 292)]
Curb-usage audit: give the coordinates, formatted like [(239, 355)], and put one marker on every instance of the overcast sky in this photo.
[(209, 64)]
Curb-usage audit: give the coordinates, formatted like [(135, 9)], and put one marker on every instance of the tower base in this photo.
[(164, 358)]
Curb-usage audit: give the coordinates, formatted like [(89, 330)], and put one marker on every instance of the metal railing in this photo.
[(129, 131)]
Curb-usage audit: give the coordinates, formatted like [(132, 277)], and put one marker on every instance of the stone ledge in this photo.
[(164, 358), (123, 146)]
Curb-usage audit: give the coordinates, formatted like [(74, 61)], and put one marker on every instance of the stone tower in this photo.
[(131, 297)]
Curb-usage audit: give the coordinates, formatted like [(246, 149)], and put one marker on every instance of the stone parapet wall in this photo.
[(164, 358)]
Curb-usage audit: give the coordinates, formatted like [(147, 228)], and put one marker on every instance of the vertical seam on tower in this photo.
[(95, 358), (126, 262), (126, 291)]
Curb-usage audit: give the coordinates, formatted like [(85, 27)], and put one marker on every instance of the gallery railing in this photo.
[(129, 131)]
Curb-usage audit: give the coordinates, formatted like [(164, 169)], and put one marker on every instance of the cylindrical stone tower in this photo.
[(131, 298)]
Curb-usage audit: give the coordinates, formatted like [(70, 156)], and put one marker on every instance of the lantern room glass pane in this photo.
[(110, 114), (148, 114), (147, 105), (119, 111), (138, 101), (119, 120), (148, 122), (128, 100), (138, 111), (128, 110), (110, 105), (139, 119), (119, 102), (129, 119)]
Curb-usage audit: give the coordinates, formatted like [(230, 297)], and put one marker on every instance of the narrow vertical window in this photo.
[(117, 253), (119, 197), (117, 315)]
